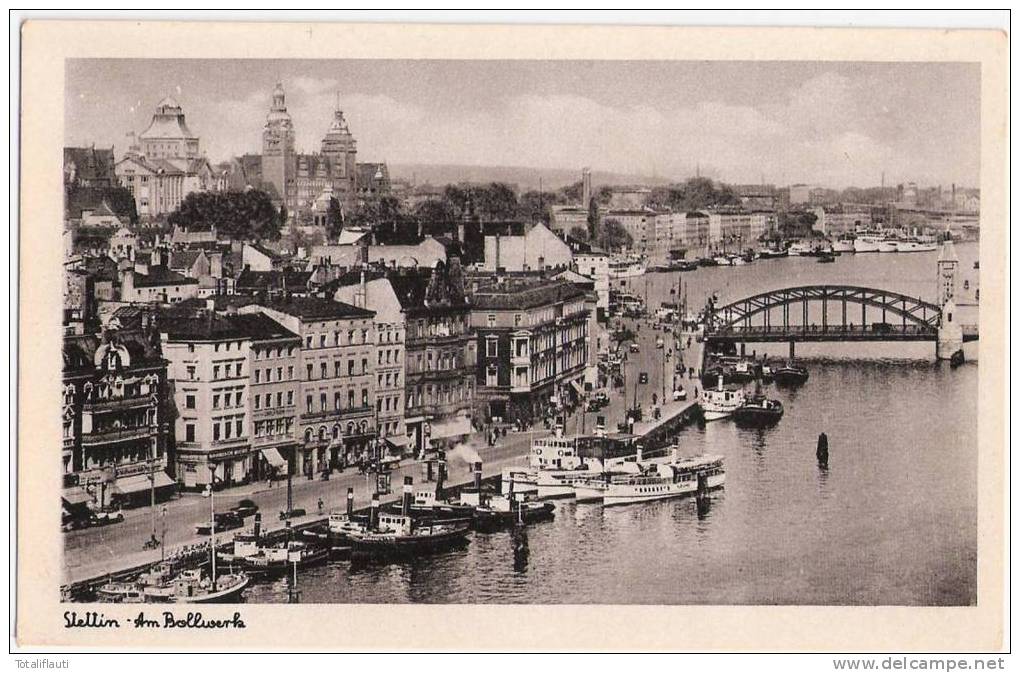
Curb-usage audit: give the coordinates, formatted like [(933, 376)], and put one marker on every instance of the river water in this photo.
[(892, 521)]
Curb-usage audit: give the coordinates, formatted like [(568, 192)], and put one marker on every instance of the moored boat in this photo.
[(758, 411), (843, 244), (867, 243), (399, 534), (790, 375), (661, 481), (720, 402), (192, 586)]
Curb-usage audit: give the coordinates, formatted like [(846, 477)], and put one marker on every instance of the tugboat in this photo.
[(400, 535), (430, 504), (720, 403), (826, 258), (278, 559), (758, 411), (790, 375), (496, 511)]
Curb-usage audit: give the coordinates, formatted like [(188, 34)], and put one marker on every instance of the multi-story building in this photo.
[(734, 227), (538, 249), (336, 420), (378, 296), (160, 285), (163, 164), (566, 217), (209, 359), (274, 383), (439, 358), (533, 348), (841, 219), (115, 419), (595, 265)]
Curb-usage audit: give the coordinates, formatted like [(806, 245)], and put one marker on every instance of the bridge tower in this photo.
[(950, 336)]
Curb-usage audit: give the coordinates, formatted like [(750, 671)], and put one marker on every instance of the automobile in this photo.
[(679, 394), (659, 343), (245, 508), (296, 512), (106, 517), (634, 348), (224, 521)]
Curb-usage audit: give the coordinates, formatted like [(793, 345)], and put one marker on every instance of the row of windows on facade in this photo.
[(521, 374), (445, 394), (310, 407), (392, 380), (324, 340), (446, 326), (445, 361), (390, 402), (323, 434), (274, 427), (520, 346)]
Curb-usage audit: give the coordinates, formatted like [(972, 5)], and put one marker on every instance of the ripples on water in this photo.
[(892, 521)]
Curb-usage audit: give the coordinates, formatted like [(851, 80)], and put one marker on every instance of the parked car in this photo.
[(245, 508), (634, 348), (107, 517), (679, 394), (224, 521)]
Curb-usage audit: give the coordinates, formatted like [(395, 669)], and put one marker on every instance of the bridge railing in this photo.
[(876, 330)]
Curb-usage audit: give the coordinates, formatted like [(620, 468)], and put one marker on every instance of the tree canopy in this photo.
[(247, 215), (612, 236), (694, 194)]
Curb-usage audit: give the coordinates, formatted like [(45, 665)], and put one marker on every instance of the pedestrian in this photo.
[(320, 505)]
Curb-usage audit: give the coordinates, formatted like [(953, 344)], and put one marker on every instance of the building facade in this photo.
[(115, 419), (378, 296), (533, 349), (336, 422), (439, 381)]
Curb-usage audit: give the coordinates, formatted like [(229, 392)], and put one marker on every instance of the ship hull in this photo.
[(627, 494)]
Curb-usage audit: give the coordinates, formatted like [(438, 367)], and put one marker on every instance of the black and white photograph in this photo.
[(519, 331)]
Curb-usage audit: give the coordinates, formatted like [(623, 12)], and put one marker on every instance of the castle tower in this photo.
[(950, 336), (278, 160), (339, 146)]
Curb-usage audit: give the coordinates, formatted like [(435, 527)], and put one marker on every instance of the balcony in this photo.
[(117, 403), (117, 435), (337, 413)]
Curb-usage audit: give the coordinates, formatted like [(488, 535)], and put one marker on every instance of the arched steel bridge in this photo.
[(864, 314)]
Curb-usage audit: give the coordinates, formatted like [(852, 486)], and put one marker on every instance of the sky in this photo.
[(834, 124)]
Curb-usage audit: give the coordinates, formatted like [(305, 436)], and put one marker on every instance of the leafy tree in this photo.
[(535, 206), (579, 233), (797, 224), (334, 217), (496, 201), (572, 193), (384, 210), (247, 215), (612, 236), (435, 211)]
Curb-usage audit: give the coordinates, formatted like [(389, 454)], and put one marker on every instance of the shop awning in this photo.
[(457, 427), (577, 387), (397, 441), (75, 495), (274, 458), (137, 483)]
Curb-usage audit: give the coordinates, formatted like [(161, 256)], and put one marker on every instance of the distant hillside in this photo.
[(525, 178)]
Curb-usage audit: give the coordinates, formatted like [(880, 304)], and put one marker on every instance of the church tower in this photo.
[(278, 160), (340, 148)]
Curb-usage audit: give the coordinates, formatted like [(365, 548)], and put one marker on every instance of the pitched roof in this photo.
[(160, 276), (272, 280), (315, 308)]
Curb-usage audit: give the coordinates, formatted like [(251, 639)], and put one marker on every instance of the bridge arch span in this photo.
[(921, 315)]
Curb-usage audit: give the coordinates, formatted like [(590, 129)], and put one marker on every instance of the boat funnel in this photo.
[(405, 505), (257, 530), (478, 476), (639, 456), (373, 512), (350, 502), (440, 474), (676, 454)]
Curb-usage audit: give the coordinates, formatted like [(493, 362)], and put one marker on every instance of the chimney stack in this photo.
[(373, 512), (478, 476), (405, 506), (440, 473)]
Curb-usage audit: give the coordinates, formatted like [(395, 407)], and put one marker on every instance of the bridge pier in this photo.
[(950, 335)]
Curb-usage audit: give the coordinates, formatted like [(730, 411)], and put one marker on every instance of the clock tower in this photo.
[(278, 160)]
